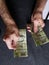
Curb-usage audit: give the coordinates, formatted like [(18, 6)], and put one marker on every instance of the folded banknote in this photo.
[(21, 48), (40, 37)]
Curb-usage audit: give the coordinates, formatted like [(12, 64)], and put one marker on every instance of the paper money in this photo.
[(21, 48), (40, 37)]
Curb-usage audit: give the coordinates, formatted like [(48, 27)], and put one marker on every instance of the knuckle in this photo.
[(9, 48), (31, 18), (43, 25)]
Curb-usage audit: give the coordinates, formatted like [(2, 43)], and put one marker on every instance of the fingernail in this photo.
[(29, 30), (43, 25), (3, 39)]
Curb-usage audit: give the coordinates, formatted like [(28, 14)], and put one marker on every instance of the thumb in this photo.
[(35, 26)]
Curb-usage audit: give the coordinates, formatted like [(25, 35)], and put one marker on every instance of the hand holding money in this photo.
[(39, 37), (36, 30), (37, 20), (11, 36), (16, 39)]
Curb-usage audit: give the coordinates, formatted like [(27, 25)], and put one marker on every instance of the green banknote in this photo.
[(40, 37), (21, 48)]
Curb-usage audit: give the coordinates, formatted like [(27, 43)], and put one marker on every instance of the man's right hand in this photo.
[(11, 36)]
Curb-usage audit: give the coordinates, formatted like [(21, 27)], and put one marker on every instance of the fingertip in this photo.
[(29, 30), (13, 44), (4, 40), (43, 25), (11, 48), (28, 27), (35, 29)]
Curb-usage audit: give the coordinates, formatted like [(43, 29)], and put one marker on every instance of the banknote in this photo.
[(21, 48), (40, 37)]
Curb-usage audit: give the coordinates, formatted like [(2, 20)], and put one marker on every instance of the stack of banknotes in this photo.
[(39, 38)]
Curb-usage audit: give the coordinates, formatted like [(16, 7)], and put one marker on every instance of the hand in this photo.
[(36, 20), (11, 36)]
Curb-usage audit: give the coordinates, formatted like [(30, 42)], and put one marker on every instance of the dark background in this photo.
[(36, 55)]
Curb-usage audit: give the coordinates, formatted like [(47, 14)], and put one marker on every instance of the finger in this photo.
[(6, 36), (42, 25), (29, 31), (36, 26), (28, 28), (32, 18), (29, 25), (35, 29), (13, 44), (17, 32), (4, 40), (14, 37), (8, 43)]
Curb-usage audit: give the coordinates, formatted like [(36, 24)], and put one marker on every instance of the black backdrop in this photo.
[(37, 55)]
